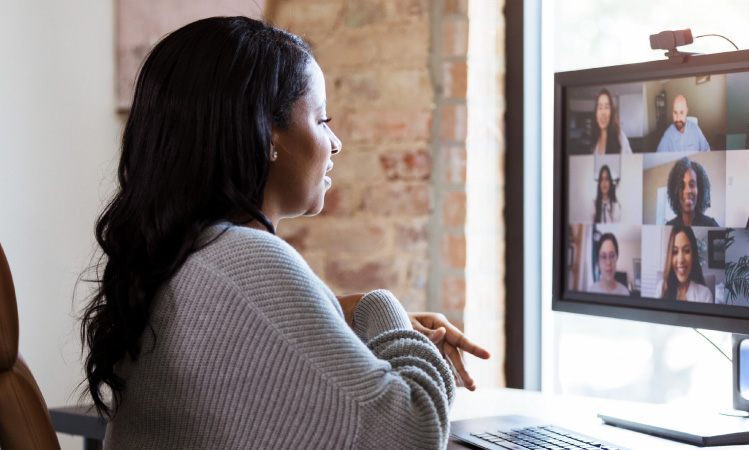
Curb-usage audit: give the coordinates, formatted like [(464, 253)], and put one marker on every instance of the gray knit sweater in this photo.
[(251, 351)]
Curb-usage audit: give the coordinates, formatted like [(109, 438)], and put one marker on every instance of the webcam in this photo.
[(669, 40)]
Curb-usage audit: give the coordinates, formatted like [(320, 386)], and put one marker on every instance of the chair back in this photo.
[(24, 419)]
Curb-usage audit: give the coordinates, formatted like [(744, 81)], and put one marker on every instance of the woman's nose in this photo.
[(337, 145)]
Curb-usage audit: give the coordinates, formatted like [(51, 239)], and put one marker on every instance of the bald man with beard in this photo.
[(682, 135)]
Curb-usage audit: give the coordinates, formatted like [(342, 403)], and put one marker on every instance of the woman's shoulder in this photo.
[(624, 141), (699, 293), (705, 221), (658, 289), (621, 289), (233, 246)]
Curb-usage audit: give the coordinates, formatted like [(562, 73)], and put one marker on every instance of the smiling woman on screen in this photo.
[(689, 194), (682, 275), (608, 135)]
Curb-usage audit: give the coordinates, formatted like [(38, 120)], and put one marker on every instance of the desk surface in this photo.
[(578, 414)]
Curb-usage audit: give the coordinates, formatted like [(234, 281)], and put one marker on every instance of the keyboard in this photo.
[(541, 438), (523, 433)]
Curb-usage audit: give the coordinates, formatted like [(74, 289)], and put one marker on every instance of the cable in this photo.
[(713, 343), (718, 35)]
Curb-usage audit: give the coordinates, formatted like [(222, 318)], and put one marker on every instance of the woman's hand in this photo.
[(450, 341)]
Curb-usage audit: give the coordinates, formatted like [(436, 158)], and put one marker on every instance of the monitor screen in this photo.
[(651, 201)]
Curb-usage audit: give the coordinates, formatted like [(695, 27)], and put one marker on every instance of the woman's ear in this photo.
[(273, 147)]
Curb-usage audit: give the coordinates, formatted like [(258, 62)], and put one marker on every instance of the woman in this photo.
[(608, 209), (211, 332), (608, 254), (689, 194), (607, 134), (682, 275)]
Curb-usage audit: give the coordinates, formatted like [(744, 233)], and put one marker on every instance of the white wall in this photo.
[(737, 186), (58, 140)]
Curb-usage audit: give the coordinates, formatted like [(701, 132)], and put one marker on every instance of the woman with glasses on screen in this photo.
[(689, 194), (682, 275), (607, 134), (206, 330), (608, 254), (608, 209)]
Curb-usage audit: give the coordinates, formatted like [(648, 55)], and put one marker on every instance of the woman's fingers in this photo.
[(434, 335), (459, 340), (455, 359)]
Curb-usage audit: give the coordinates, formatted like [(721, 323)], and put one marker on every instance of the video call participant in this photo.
[(206, 330), (682, 135), (682, 275), (689, 194), (608, 254), (608, 209), (607, 134)]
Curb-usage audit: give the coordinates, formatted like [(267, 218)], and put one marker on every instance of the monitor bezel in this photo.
[(734, 319)]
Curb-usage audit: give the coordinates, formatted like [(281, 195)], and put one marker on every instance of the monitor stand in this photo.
[(697, 427)]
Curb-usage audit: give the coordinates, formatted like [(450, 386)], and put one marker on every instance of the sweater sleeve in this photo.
[(398, 386)]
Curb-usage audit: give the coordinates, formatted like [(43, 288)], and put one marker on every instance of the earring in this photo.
[(275, 156)]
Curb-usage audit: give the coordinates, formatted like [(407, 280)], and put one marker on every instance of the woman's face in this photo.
[(681, 257), (603, 111), (297, 178), (689, 191), (605, 182), (607, 260)]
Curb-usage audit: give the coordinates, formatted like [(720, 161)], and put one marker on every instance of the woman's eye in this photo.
[(326, 120)]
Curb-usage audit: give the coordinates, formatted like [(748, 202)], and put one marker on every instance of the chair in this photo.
[(24, 419)]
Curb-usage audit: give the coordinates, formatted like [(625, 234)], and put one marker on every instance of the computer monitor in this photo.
[(651, 193)]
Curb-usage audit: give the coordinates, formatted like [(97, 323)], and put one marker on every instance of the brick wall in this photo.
[(374, 229), (396, 78)]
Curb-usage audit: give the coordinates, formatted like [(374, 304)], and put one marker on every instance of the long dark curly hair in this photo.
[(676, 185), (195, 151), (599, 194), (612, 137), (670, 282)]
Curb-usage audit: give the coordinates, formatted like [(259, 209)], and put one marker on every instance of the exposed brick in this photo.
[(309, 16), (346, 236), (362, 276), (412, 238), (455, 164), (363, 12), (405, 43), (378, 126), (454, 250), (456, 7), (295, 233), (341, 201), (355, 166), (455, 37), (412, 165), (411, 8), (413, 300), (453, 294), (409, 200), (361, 49), (418, 274), (454, 122), (454, 209), (454, 78), (406, 87), (353, 87)]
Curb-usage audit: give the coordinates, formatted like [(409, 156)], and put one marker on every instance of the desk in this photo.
[(578, 414), (575, 413), (80, 420)]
